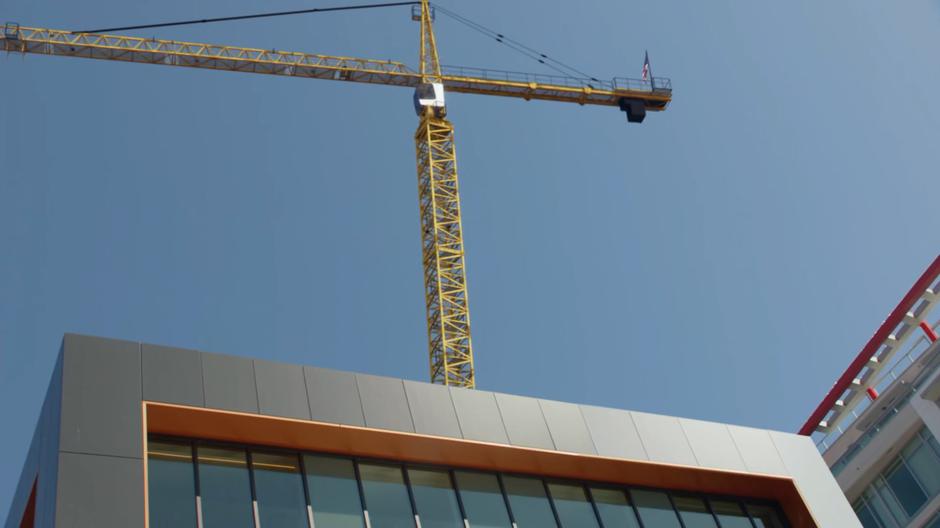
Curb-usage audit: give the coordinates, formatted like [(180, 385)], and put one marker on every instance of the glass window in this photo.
[(730, 514), (530, 507), (764, 516), (224, 488), (614, 508), (571, 503), (482, 500), (655, 509), (925, 464), (279, 488), (889, 515), (334, 492), (435, 499), (694, 512), (172, 485), (934, 523), (932, 441), (244, 488), (387, 499), (905, 488), (865, 515)]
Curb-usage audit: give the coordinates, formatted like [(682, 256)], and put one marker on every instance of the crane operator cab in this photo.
[(429, 97)]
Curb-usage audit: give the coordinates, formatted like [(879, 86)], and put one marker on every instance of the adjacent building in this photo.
[(138, 435), (878, 427)]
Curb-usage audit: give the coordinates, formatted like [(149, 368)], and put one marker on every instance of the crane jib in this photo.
[(274, 62)]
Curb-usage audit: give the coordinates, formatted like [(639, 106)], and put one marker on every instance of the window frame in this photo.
[(403, 467)]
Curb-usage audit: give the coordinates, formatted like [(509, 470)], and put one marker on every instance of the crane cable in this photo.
[(513, 44), (247, 17), (517, 46)]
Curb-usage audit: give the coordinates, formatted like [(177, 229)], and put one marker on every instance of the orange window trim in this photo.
[(303, 435)]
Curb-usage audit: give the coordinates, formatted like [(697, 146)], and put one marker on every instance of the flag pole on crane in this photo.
[(647, 70)]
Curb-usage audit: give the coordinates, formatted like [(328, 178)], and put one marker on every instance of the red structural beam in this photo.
[(893, 320), (931, 335)]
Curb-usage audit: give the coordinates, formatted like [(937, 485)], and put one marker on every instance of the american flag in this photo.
[(646, 68)]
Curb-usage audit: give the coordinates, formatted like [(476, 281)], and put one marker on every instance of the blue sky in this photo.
[(725, 260)]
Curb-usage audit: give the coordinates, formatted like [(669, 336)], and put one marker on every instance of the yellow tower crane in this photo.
[(445, 277)]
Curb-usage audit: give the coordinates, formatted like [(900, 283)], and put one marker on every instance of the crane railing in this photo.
[(655, 95)]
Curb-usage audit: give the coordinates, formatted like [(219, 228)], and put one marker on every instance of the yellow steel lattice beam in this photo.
[(430, 63), (445, 278), (296, 64)]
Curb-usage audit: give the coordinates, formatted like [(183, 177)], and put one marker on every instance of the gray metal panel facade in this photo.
[(664, 439), (87, 448), (101, 397), (229, 383), (568, 430), (432, 409), (614, 433), (282, 390), (99, 491), (24, 486), (384, 403), (814, 480), (758, 450), (50, 425), (333, 396), (172, 375), (478, 415), (524, 422), (712, 445)]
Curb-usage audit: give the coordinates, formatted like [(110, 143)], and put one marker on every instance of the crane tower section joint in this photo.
[(416, 13)]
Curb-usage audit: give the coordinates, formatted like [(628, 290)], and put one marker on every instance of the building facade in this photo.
[(137, 435), (878, 428)]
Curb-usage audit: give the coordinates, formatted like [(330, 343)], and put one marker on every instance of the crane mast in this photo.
[(443, 255), (450, 350)]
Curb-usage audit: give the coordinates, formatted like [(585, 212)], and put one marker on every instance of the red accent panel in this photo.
[(872, 393), (29, 516), (893, 320), (931, 335)]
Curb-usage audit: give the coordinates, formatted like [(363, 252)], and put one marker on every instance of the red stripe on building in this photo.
[(893, 320)]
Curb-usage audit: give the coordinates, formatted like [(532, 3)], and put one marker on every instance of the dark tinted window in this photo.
[(482, 500), (905, 488), (866, 517), (730, 514), (224, 488), (925, 464), (334, 493), (764, 516), (655, 509), (694, 512), (934, 523), (435, 499), (279, 488), (235, 488), (386, 496), (172, 488), (614, 508), (530, 507), (571, 503)]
